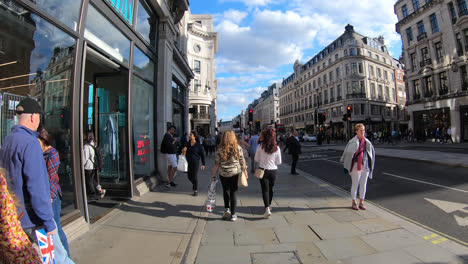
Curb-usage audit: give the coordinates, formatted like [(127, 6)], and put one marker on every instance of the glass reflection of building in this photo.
[(116, 64)]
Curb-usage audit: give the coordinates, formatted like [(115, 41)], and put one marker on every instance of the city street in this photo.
[(433, 195)]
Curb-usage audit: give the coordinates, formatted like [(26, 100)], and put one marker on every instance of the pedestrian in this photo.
[(93, 189), (194, 152), (52, 160), (253, 142), (294, 147), (169, 147), (15, 246), (268, 157), (449, 134), (358, 160), (21, 156), (231, 163)]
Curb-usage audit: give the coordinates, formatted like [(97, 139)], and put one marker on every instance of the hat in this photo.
[(30, 106)]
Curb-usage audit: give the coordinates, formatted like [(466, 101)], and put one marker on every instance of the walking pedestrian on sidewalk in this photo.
[(93, 189), (358, 160), (194, 152), (231, 163), (268, 157), (292, 143), (253, 142), (168, 147), (52, 160)]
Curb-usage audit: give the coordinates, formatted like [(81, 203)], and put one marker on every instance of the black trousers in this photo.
[(91, 182), (295, 158), (229, 192), (267, 183), (192, 173)]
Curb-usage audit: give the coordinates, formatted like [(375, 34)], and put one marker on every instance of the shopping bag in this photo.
[(182, 164), (46, 246), (210, 202), (242, 180)]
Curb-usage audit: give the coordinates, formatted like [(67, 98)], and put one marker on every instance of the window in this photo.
[(346, 52), (352, 52), (424, 56), (363, 88), (338, 92), (453, 13), (338, 75), (459, 44), (146, 23), (360, 67), (443, 89), (331, 76), (404, 10), (421, 29), (409, 35), (353, 68), (413, 61), (377, 57), (336, 57), (428, 91), (379, 73), (347, 69), (434, 24), (462, 9), (465, 32), (385, 75), (438, 51), (372, 91), (196, 85), (196, 66), (325, 79), (415, 5), (387, 94), (464, 76), (371, 70), (369, 54)]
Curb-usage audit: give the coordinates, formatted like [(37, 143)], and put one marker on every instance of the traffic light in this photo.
[(322, 118), (250, 115), (348, 111), (345, 117)]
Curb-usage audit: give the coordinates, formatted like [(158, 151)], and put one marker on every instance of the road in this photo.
[(433, 195)]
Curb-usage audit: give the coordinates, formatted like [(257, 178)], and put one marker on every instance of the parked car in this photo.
[(310, 138)]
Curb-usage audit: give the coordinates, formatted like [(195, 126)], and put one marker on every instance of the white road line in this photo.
[(429, 183)]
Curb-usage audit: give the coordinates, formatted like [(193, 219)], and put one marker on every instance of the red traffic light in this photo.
[(348, 108), (250, 111)]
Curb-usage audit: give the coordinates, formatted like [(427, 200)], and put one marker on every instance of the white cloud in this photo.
[(235, 16)]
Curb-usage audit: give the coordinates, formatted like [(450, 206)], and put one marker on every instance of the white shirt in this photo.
[(267, 161), (88, 152)]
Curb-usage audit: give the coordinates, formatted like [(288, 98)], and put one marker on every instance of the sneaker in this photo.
[(233, 217), (168, 184), (103, 192), (173, 184), (227, 214), (195, 194), (267, 213)]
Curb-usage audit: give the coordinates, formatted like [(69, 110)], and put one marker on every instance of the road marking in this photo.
[(448, 207), (435, 242), (429, 183), (461, 221), (430, 236)]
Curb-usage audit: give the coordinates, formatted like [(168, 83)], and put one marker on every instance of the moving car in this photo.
[(309, 138)]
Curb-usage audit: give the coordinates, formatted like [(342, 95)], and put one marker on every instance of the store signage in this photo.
[(143, 150), (124, 8)]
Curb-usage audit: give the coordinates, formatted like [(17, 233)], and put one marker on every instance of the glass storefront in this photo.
[(37, 60), (426, 122)]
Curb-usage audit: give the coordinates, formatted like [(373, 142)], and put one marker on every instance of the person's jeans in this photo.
[(229, 192), (192, 173), (60, 254), (56, 208), (267, 183), (295, 158)]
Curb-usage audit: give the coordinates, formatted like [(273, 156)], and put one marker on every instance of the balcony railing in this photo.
[(338, 98), (201, 116), (332, 100), (356, 95), (425, 62), (422, 36)]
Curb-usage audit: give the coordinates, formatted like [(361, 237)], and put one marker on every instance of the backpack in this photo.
[(98, 157)]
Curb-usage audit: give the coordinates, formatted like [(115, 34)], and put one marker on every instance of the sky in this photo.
[(259, 40)]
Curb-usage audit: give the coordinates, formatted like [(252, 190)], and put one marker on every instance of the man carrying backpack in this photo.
[(93, 161)]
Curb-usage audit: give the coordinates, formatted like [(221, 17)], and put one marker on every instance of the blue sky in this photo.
[(259, 40)]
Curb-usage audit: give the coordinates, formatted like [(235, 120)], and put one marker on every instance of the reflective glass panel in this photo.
[(37, 60), (106, 36), (142, 127), (146, 24), (143, 65), (67, 11)]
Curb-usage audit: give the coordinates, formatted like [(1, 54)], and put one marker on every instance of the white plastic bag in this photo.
[(210, 202), (182, 164)]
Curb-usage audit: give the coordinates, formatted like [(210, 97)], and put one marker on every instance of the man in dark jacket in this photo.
[(21, 156), (169, 147), (292, 143)]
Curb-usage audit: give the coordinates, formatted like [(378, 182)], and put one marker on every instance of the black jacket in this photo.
[(195, 152), (167, 145), (292, 144)]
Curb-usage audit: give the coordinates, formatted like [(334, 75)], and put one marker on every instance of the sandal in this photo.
[(362, 207), (355, 207)]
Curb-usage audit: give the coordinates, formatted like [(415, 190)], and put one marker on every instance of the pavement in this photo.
[(311, 223)]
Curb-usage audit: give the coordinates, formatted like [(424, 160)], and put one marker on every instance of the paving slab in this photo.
[(274, 221), (374, 225), (255, 236), (392, 239), (433, 254), (345, 216), (309, 218), (217, 254), (309, 253), (339, 230), (295, 233), (392, 257), (341, 248), (275, 258)]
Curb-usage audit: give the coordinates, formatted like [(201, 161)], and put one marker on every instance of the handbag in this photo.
[(242, 180), (259, 173), (182, 164)]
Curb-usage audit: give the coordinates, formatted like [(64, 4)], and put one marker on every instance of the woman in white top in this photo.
[(268, 156), (93, 190)]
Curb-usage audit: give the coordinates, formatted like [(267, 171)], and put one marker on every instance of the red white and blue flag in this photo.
[(46, 245)]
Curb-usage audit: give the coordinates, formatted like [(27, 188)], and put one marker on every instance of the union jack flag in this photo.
[(46, 245)]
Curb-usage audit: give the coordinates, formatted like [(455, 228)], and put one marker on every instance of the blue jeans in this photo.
[(60, 255), (56, 208)]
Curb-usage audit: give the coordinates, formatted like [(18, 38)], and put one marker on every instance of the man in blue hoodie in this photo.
[(21, 156)]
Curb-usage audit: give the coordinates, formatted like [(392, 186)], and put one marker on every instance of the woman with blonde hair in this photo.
[(231, 163), (358, 160)]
